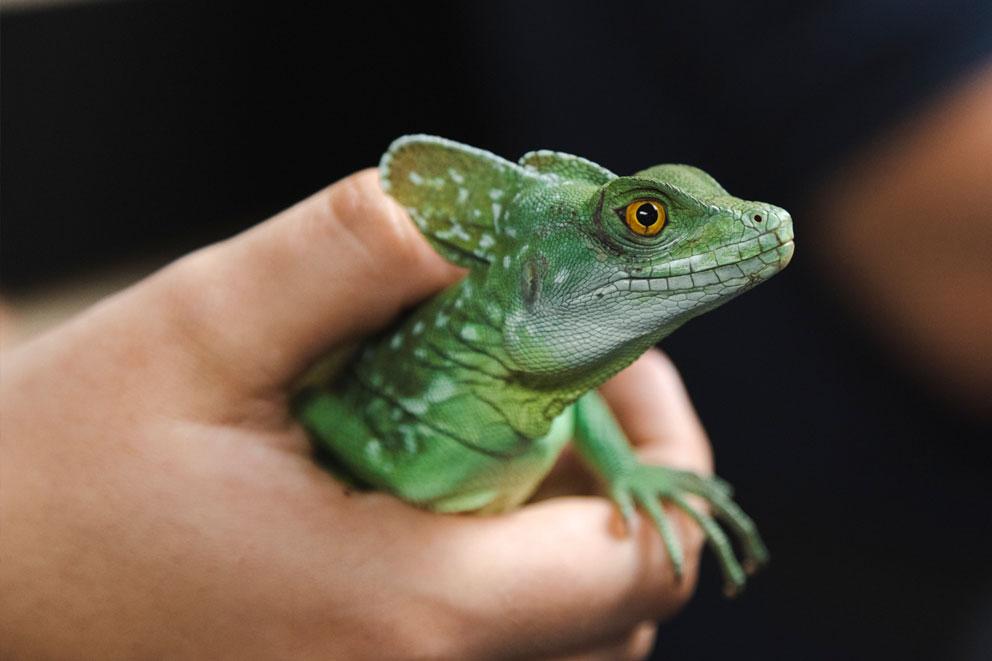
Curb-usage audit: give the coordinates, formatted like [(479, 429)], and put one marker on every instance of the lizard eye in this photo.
[(645, 217)]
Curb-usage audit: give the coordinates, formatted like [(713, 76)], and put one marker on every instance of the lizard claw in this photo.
[(650, 486)]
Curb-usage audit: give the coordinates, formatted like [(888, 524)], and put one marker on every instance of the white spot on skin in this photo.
[(397, 341), (494, 310), (486, 241), (418, 328), (373, 449), (456, 176), (414, 405), (415, 178), (497, 210), (506, 261), (409, 439), (561, 276), (441, 388), (469, 333), (441, 321), (495, 193), (458, 231), (511, 232), (462, 196)]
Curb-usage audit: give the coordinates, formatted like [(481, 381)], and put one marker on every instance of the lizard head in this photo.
[(673, 230), (635, 259)]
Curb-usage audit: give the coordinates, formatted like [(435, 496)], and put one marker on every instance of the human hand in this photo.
[(157, 499)]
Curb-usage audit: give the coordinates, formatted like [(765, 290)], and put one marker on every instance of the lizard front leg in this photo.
[(604, 446)]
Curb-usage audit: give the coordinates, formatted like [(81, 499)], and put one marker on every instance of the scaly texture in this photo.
[(573, 273)]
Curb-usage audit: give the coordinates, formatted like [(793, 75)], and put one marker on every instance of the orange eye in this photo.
[(645, 217)]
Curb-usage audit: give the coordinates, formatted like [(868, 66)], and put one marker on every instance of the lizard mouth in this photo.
[(743, 264), (728, 269)]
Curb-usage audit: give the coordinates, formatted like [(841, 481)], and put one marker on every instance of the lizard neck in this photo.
[(449, 354), (454, 348)]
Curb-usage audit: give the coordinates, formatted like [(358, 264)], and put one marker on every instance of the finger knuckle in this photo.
[(640, 642), (685, 588), (666, 367), (693, 543)]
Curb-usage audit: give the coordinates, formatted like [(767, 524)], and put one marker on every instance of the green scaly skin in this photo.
[(465, 405)]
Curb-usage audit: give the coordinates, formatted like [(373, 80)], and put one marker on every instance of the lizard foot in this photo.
[(648, 486)]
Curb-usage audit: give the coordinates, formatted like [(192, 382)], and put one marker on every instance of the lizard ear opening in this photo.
[(456, 194)]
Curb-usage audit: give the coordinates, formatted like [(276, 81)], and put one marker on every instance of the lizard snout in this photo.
[(767, 218)]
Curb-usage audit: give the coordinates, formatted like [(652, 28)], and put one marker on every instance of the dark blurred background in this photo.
[(140, 130)]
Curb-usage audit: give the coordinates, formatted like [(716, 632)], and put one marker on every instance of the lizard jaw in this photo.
[(694, 274)]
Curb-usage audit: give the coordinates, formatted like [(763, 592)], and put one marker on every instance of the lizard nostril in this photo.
[(757, 218)]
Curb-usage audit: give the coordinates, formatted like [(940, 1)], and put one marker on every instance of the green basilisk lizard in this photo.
[(573, 272)]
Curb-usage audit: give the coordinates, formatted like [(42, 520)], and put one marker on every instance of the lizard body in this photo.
[(573, 273)]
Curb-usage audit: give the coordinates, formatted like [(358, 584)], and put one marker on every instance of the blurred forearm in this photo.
[(906, 231)]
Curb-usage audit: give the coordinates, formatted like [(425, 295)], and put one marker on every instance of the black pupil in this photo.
[(646, 214)]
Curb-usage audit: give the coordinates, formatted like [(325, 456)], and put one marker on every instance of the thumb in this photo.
[(338, 265)]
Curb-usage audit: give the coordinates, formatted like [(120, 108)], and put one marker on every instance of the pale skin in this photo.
[(158, 500)]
